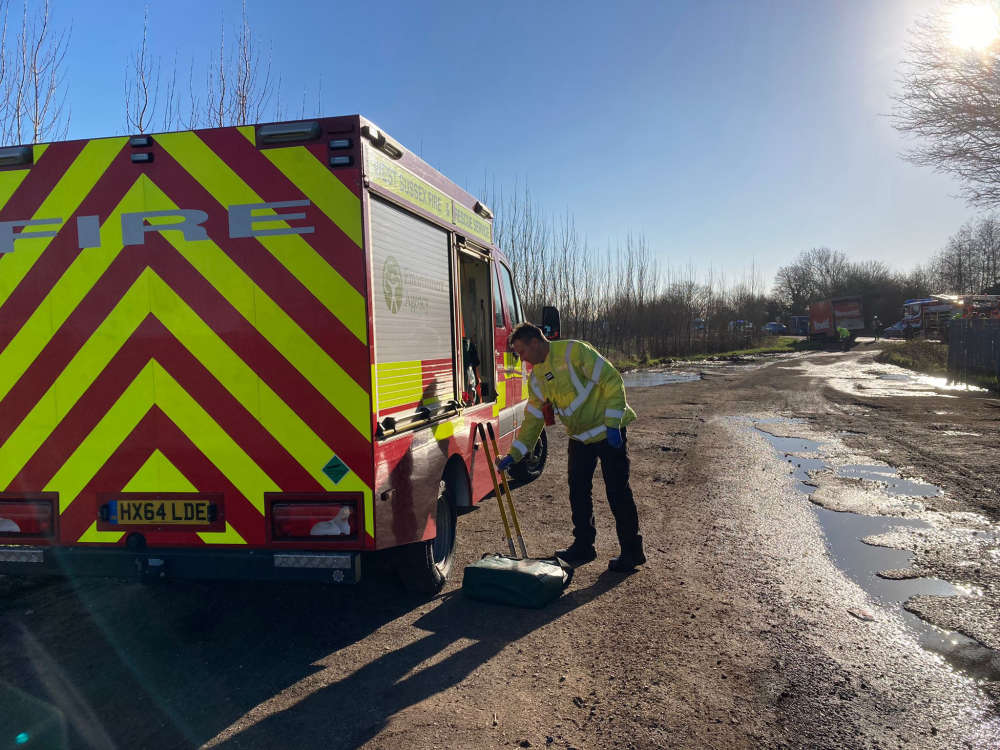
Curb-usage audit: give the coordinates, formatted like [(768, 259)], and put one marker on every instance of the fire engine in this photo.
[(247, 352)]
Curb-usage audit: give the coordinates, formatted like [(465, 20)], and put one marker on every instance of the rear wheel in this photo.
[(531, 466), (424, 566)]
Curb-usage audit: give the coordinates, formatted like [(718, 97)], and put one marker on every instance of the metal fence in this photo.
[(973, 350)]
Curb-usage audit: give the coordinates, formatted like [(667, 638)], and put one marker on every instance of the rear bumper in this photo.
[(246, 565)]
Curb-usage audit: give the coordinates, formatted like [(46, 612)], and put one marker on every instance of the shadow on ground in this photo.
[(174, 665)]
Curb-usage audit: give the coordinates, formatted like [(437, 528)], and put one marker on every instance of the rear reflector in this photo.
[(311, 520), (23, 518), (336, 561), (14, 555)]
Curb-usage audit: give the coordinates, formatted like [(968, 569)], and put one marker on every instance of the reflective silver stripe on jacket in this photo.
[(583, 437), (533, 382), (581, 395), (534, 412), (577, 385), (521, 447), (615, 413)]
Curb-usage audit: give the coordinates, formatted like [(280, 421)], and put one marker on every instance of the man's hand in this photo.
[(505, 463), (615, 438)]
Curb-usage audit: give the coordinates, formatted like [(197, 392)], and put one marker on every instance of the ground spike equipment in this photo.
[(491, 463), (506, 489)]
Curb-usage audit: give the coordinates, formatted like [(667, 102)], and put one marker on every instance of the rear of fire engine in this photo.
[(189, 379)]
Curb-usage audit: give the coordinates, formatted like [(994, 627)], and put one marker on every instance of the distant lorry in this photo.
[(929, 316), (826, 316), (247, 353)]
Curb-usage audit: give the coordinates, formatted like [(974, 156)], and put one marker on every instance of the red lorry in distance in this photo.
[(826, 316)]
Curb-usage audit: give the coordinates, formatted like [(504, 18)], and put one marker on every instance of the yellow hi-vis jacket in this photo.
[(585, 390)]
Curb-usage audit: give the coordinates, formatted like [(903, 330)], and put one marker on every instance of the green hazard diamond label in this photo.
[(336, 469)]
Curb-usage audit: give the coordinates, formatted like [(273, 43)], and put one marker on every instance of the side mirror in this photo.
[(550, 323)]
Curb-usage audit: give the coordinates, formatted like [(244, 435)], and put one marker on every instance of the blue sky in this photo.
[(728, 133)]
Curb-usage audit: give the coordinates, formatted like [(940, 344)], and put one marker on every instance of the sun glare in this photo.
[(974, 26)]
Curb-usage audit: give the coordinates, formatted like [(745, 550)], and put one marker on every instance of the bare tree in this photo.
[(33, 93), (238, 89), (142, 84), (949, 100)]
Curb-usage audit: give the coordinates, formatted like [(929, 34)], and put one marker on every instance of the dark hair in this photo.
[(526, 332)]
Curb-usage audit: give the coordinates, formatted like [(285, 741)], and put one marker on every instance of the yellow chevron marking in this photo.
[(274, 324), (293, 252), (319, 184), (501, 401), (447, 429), (65, 295), (103, 440), (106, 537), (154, 386), (229, 536), (10, 181), (250, 133), (149, 294), (328, 377), (158, 474), (61, 203)]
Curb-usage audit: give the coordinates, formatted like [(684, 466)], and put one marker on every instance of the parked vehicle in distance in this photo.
[(740, 326), (799, 325), (774, 328), (897, 330), (826, 316)]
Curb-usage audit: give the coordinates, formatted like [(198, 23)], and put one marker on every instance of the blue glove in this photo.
[(615, 438), (505, 463)]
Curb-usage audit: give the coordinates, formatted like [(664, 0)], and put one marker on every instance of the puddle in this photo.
[(793, 444), (648, 378), (879, 380), (861, 562), (884, 474)]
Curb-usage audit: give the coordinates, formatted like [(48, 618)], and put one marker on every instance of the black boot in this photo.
[(631, 556), (577, 554)]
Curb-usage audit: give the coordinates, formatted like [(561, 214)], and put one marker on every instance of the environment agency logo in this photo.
[(392, 284)]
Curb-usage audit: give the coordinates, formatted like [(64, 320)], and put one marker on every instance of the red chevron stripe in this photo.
[(42, 177), (63, 249), (253, 348), (269, 182), (151, 341), (286, 291), (272, 277), (115, 474), (157, 431)]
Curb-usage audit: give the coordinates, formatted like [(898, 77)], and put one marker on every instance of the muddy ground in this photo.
[(755, 623)]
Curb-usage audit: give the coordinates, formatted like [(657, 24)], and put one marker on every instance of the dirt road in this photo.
[(758, 621)]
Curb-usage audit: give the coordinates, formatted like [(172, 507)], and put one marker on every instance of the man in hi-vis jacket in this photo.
[(588, 394)]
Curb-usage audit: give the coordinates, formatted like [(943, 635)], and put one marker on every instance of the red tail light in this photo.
[(21, 518), (317, 521)]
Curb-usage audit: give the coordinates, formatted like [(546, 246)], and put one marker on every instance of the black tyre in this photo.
[(531, 466), (423, 567)]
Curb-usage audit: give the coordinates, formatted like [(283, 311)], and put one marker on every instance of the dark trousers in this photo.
[(615, 468)]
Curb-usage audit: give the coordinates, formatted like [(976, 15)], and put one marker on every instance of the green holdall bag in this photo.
[(527, 582)]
